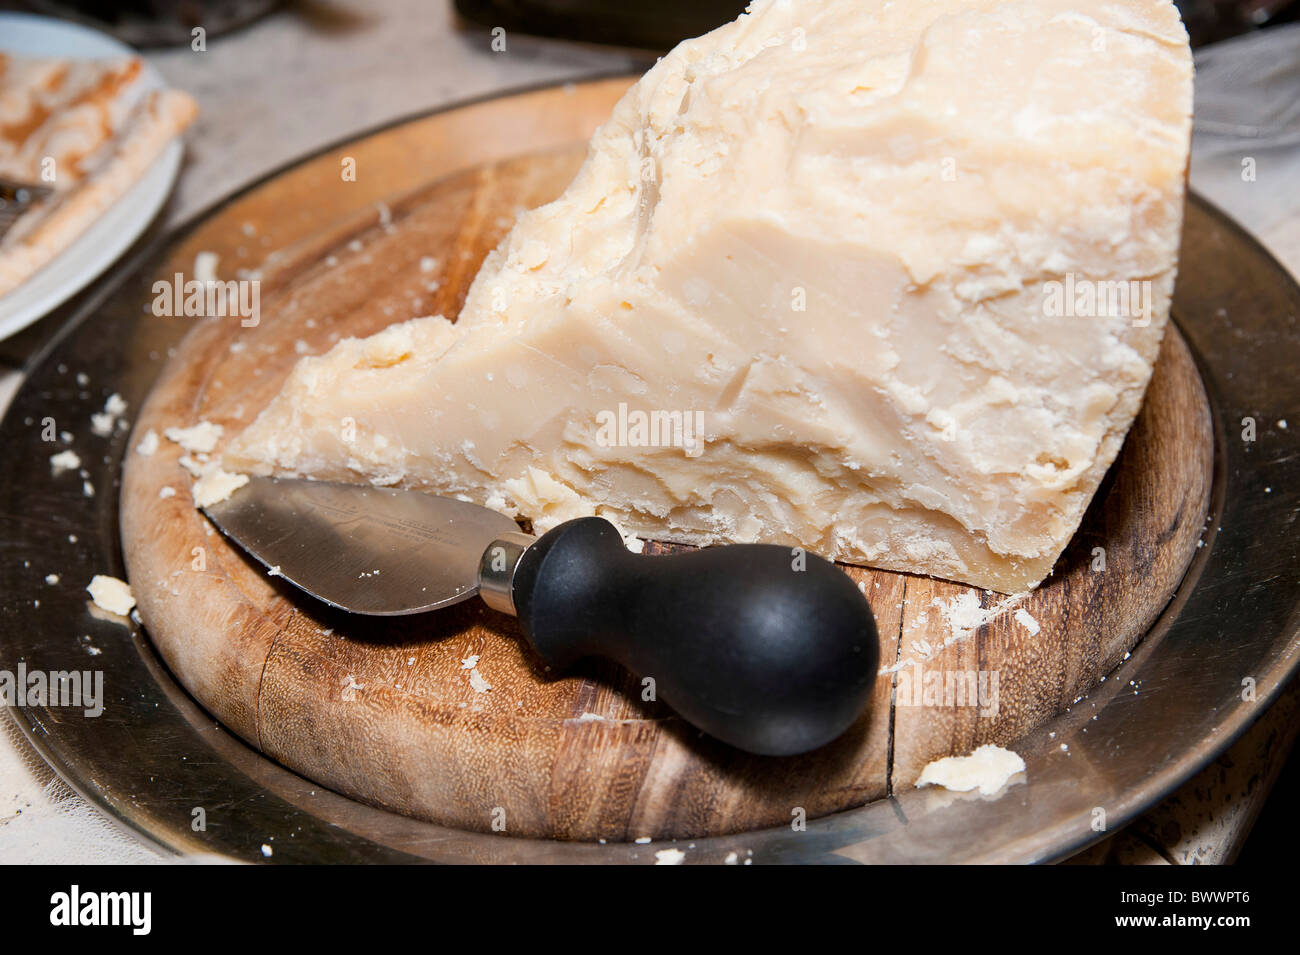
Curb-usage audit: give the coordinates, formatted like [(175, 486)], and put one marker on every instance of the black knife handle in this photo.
[(770, 649)]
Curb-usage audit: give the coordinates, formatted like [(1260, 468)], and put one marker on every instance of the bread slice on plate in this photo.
[(88, 129)]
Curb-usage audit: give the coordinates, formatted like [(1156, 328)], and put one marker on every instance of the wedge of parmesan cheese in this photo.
[(884, 280)]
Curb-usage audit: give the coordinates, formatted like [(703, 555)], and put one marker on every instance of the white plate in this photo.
[(113, 232)]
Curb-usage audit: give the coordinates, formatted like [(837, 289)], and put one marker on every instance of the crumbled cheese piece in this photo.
[(670, 857), (470, 662), (196, 468), (552, 503), (51, 578), (963, 615), (199, 438), (215, 486), (267, 850), (987, 769), (1028, 622), (102, 423), (166, 491), (477, 681), (549, 500), (148, 444), (64, 461), (590, 717), (205, 266), (111, 594)]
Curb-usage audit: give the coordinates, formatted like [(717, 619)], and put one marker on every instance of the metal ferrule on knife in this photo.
[(496, 570)]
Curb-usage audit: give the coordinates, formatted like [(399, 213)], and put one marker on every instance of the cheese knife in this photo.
[(770, 649)]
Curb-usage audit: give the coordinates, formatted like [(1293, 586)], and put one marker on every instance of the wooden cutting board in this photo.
[(384, 711)]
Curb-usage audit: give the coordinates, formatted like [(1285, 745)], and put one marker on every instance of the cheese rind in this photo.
[(845, 250)]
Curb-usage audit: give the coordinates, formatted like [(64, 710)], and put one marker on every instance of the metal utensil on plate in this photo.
[(768, 648), (17, 198)]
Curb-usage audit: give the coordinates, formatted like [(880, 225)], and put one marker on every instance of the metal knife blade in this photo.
[(363, 549)]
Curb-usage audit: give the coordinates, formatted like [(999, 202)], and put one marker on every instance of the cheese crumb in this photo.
[(51, 578), (201, 438), (470, 662), (148, 444), (670, 857), (963, 616), (1028, 622), (476, 680), (102, 424), (166, 491), (962, 613), (987, 769), (111, 594), (196, 468), (216, 486), (64, 461), (205, 266), (633, 543)]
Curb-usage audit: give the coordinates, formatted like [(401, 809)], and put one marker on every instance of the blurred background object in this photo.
[(659, 26), (155, 22), (1209, 21), (650, 26)]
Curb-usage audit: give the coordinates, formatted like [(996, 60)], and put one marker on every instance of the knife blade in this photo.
[(368, 550), (770, 649)]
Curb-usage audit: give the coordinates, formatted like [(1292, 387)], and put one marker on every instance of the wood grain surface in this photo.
[(383, 711)]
